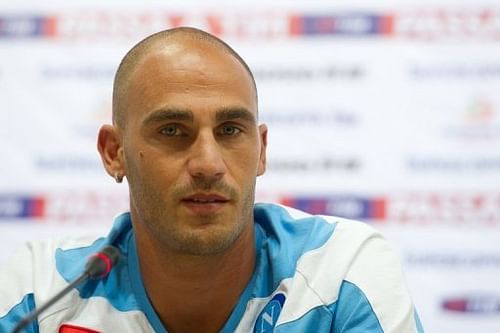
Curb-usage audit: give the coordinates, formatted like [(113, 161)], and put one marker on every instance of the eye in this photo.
[(230, 130), (171, 130)]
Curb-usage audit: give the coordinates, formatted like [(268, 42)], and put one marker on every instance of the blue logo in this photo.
[(24, 26), (269, 315)]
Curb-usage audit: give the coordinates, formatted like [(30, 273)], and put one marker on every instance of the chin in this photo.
[(209, 239)]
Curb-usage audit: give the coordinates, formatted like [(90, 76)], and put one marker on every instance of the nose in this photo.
[(206, 160)]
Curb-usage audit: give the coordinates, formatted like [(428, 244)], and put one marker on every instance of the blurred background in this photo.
[(385, 112)]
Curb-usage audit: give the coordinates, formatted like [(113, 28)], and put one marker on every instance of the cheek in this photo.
[(160, 170), (138, 160), (245, 164), (140, 164)]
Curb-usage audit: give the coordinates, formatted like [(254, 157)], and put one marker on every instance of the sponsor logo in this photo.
[(67, 163), (27, 26), (354, 24), (85, 206), (444, 208), (449, 24), (77, 207), (266, 321), (479, 111), (14, 207), (447, 260), (89, 25), (475, 304), (456, 165), (309, 73), (311, 117), (348, 207), (67, 328), (325, 164), (457, 72), (424, 25), (480, 121), (406, 208)]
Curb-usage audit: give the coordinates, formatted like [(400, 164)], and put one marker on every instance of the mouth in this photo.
[(205, 203)]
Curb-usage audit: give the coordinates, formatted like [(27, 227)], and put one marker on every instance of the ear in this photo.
[(110, 148), (263, 147)]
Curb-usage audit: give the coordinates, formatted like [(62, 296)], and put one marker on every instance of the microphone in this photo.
[(98, 266)]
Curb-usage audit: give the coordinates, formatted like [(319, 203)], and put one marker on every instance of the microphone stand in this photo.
[(34, 314), (97, 267)]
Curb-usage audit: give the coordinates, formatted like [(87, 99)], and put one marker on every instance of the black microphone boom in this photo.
[(98, 266)]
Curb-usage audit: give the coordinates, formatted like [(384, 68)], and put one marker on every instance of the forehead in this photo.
[(191, 74)]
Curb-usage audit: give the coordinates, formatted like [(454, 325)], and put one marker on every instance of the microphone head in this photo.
[(112, 253), (100, 264)]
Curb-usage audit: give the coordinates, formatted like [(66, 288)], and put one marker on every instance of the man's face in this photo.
[(192, 147)]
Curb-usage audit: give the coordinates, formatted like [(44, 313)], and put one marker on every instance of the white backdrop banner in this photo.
[(389, 114)]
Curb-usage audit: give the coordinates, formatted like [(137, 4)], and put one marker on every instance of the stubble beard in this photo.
[(158, 217)]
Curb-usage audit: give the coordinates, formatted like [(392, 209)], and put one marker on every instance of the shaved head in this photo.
[(156, 42)]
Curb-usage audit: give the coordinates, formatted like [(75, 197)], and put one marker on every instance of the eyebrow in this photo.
[(222, 114), (166, 114), (232, 113)]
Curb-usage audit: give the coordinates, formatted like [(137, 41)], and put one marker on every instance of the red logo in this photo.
[(67, 328)]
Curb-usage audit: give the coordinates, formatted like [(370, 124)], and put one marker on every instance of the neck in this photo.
[(195, 293)]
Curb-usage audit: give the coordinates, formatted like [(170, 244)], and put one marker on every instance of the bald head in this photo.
[(155, 42)]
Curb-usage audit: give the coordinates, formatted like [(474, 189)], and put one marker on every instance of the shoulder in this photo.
[(40, 269), (323, 241), (30, 277), (318, 253), (350, 272), (283, 221), (34, 264)]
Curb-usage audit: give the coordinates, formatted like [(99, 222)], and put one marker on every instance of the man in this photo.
[(197, 255)]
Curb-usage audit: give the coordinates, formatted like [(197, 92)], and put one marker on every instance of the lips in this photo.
[(205, 198), (205, 203)]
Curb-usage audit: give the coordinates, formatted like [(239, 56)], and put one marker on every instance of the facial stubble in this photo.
[(210, 235)]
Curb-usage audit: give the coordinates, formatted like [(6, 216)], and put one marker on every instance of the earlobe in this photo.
[(263, 146), (110, 149)]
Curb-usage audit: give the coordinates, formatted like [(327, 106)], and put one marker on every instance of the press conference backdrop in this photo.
[(386, 112)]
